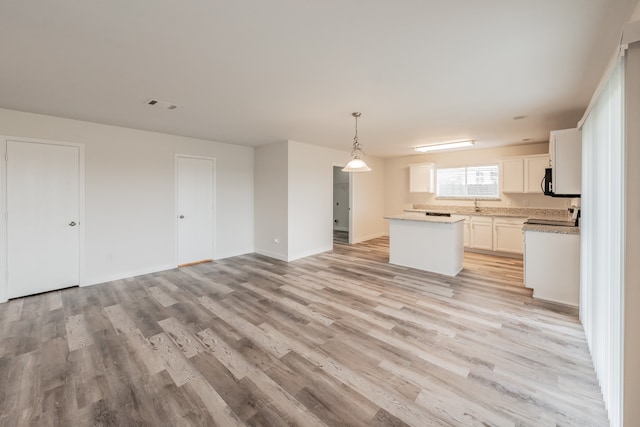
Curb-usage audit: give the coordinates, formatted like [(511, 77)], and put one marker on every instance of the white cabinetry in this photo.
[(466, 226), (481, 235), (534, 167), (513, 175), (552, 266), (497, 234), (507, 235), (565, 149), (524, 174), (421, 178)]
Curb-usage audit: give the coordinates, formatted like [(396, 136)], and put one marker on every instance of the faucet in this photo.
[(475, 204)]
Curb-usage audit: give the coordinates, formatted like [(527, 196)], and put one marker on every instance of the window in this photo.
[(468, 181)]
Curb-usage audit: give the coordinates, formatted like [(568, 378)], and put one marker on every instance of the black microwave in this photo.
[(547, 185)]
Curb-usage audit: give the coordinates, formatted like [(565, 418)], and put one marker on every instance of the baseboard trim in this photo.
[(369, 237), (495, 253), (274, 255), (120, 276)]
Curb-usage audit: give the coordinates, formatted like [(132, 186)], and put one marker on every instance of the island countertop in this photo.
[(411, 216), (551, 229)]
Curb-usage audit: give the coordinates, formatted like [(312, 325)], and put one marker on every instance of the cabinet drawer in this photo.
[(509, 220), (481, 220)]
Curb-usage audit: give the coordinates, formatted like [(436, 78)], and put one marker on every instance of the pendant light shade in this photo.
[(356, 164)]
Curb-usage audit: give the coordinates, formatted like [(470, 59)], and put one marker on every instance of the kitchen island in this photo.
[(430, 243)]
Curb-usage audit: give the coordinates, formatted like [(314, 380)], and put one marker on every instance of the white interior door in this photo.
[(195, 178), (43, 207)]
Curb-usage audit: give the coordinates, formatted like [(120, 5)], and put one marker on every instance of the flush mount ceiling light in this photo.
[(356, 164), (445, 146)]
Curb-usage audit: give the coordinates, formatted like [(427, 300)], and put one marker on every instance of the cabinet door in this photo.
[(513, 175), (482, 233), (508, 236), (565, 147), (467, 231), (421, 178), (534, 170)]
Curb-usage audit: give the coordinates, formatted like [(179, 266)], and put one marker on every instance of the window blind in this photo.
[(469, 181), (601, 239)]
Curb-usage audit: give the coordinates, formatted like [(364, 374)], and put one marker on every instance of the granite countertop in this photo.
[(482, 212), (560, 214), (551, 229), (415, 216), (529, 213)]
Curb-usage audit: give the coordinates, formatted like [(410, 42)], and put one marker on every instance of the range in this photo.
[(559, 223)]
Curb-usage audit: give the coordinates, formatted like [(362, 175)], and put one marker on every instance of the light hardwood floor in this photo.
[(340, 339)]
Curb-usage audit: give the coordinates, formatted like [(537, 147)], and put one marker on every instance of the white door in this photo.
[(43, 201), (195, 178)]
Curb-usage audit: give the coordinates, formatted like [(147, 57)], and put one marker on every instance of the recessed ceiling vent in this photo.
[(162, 104)]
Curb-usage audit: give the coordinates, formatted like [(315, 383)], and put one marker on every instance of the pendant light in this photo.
[(356, 164)]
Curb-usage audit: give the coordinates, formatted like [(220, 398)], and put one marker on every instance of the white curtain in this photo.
[(602, 239)]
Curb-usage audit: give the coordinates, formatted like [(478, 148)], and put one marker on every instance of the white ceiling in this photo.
[(254, 72)]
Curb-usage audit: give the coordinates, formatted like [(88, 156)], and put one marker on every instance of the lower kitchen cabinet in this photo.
[(466, 227), (507, 235), (552, 266), (495, 234), (481, 233)]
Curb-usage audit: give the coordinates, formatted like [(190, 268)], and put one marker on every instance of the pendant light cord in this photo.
[(356, 144)]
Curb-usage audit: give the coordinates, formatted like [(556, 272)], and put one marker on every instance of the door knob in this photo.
[(72, 223), (181, 217)]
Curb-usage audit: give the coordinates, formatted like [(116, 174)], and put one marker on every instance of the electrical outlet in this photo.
[(567, 203), (525, 203)]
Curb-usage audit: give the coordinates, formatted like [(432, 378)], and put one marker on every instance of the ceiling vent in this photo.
[(162, 104)]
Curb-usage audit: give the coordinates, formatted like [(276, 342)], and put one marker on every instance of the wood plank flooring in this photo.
[(341, 339)]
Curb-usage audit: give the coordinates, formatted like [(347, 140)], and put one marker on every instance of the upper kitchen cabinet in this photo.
[(524, 174), (534, 167), (421, 178), (565, 149), (513, 175)]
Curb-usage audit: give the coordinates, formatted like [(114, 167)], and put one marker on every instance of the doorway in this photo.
[(43, 220), (195, 186), (341, 205)]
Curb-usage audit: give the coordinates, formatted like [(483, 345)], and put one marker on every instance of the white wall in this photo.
[(130, 192), (368, 201), (397, 192), (309, 205), (311, 198), (271, 200)]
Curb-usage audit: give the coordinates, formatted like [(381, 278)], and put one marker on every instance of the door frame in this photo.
[(342, 165), (175, 204), (4, 284)]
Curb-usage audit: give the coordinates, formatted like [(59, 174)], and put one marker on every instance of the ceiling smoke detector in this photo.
[(158, 103)]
